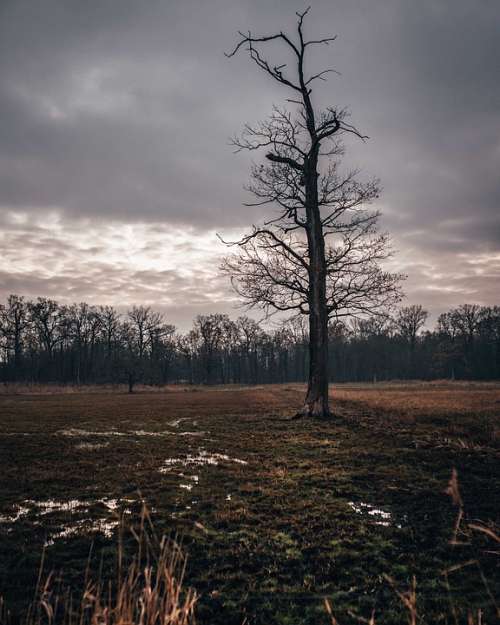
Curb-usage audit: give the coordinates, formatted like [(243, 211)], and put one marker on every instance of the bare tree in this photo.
[(14, 320), (162, 341), (409, 321), (228, 348), (83, 323), (250, 336), (210, 329), (132, 362), (110, 325), (140, 319), (320, 253), (189, 346), (467, 318), (46, 316)]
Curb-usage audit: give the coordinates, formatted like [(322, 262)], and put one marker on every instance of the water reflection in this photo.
[(70, 507), (91, 446), (202, 458), (81, 433), (380, 517)]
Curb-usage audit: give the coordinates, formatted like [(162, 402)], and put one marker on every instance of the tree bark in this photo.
[(316, 402)]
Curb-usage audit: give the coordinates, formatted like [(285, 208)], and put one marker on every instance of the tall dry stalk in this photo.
[(149, 590)]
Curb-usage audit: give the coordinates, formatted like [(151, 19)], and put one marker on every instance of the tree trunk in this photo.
[(316, 402), (17, 355)]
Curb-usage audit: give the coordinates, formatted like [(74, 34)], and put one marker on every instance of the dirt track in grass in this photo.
[(275, 514)]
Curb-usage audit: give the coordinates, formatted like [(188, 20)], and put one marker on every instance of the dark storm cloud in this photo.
[(118, 112)]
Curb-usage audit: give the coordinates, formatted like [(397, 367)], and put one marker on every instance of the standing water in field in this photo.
[(202, 458), (379, 516), (69, 510)]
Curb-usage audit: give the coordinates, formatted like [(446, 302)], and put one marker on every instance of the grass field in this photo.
[(275, 514)]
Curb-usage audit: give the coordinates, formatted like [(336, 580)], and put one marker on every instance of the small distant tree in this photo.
[(319, 255)]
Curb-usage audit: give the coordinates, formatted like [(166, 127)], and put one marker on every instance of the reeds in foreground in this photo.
[(148, 590)]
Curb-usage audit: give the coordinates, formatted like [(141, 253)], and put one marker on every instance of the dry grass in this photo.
[(426, 399), (148, 590), (23, 388), (462, 415)]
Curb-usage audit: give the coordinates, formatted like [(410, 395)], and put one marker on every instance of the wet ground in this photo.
[(275, 514)]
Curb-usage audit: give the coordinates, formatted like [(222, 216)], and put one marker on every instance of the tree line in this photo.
[(42, 341)]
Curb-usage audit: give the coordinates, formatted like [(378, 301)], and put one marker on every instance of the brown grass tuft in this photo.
[(147, 591)]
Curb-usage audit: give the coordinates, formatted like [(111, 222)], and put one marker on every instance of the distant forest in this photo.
[(44, 342)]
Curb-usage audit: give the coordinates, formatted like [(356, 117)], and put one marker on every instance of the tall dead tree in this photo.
[(286, 264)]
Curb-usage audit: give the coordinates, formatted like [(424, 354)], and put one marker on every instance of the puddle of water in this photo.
[(105, 526), (51, 505), (202, 458), (77, 432), (113, 503), (146, 433), (81, 433), (194, 478), (228, 497), (20, 512), (381, 517), (91, 446), (175, 422), (164, 433)]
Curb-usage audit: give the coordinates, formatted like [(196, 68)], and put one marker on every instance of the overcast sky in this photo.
[(115, 168)]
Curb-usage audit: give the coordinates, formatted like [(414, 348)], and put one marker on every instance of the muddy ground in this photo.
[(274, 514)]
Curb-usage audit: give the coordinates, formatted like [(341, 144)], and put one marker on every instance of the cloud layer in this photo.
[(115, 170)]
